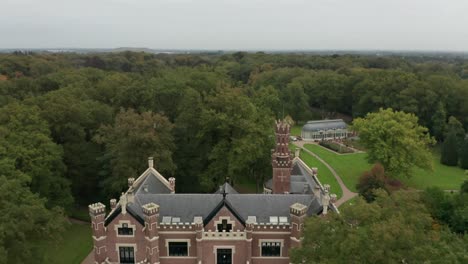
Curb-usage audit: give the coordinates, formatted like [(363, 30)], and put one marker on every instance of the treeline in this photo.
[(74, 127)]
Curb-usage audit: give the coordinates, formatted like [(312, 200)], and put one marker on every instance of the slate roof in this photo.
[(151, 187), (188, 206), (317, 125), (227, 188), (299, 177)]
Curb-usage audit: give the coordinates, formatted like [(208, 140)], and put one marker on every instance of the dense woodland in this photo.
[(74, 127)]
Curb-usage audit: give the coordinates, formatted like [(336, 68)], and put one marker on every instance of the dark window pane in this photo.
[(126, 255), (125, 230), (271, 249), (178, 249)]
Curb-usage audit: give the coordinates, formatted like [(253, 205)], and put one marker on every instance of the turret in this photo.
[(151, 214), (97, 212), (281, 159), (298, 214)]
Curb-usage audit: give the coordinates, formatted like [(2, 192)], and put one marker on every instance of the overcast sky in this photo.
[(237, 25)]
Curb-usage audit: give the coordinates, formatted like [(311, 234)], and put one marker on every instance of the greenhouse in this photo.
[(318, 130)]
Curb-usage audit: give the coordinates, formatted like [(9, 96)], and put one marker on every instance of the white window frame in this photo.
[(118, 245), (120, 225), (177, 240), (260, 241)]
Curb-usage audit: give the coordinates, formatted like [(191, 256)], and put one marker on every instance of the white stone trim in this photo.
[(177, 240), (281, 241), (215, 252), (120, 224)]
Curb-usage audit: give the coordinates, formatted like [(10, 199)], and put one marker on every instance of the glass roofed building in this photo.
[(318, 130)]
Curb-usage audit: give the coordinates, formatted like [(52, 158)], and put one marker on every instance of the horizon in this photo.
[(256, 25)]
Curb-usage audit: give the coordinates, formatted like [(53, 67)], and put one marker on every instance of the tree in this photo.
[(450, 209), (396, 228), (130, 141), (396, 140), (25, 222), (449, 154), (229, 123), (454, 126), (439, 122), (26, 146), (464, 155), (370, 181)]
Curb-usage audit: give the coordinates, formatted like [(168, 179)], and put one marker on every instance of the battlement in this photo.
[(150, 209), (97, 208), (298, 209), (282, 127)]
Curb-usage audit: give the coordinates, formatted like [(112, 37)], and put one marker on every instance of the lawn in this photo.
[(324, 174), (75, 245), (296, 130), (351, 166)]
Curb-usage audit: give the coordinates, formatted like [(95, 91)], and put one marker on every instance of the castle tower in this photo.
[(281, 159), (97, 212), (151, 212)]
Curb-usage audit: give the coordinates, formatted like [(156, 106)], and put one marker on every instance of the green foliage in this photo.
[(464, 155), (449, 209), (26, 148), (438, 122), (449, 153), (454, 126), (335, 147), (130, 141), (395, 228), (396, 140), (24, 220)]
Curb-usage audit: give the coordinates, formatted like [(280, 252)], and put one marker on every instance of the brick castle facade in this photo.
[(151, 223)]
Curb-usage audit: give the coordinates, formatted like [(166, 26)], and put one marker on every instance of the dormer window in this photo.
[(224, 226), (124, 230)]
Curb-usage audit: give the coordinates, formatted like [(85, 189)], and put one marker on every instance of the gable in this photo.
[(224, 214)]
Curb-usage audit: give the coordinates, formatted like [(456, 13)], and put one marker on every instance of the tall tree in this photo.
[(456, 127), (27, 147), (130, 141), (464, 155), (396, 140), (439, 122), (394, 229), (449, 155), (230, 122)]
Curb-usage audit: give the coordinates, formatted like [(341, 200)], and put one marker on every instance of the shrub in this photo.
[(336, 147)]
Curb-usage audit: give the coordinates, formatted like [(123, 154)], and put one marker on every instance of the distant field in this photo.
[(351, 166), (324, 174), (73, 248)]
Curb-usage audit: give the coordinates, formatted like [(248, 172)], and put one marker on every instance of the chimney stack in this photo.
[(150, 162), (113, 203), (172, 184), (297, 152)]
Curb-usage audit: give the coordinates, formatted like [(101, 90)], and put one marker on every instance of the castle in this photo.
[(151, 223)]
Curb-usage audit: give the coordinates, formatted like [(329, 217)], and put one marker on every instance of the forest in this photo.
[(74, 127)]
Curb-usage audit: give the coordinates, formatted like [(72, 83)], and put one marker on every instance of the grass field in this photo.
[(351, 166), (324, 174), (296, 130), (73, 248)]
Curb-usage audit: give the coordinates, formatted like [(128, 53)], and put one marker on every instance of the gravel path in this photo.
[(347, 194)]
